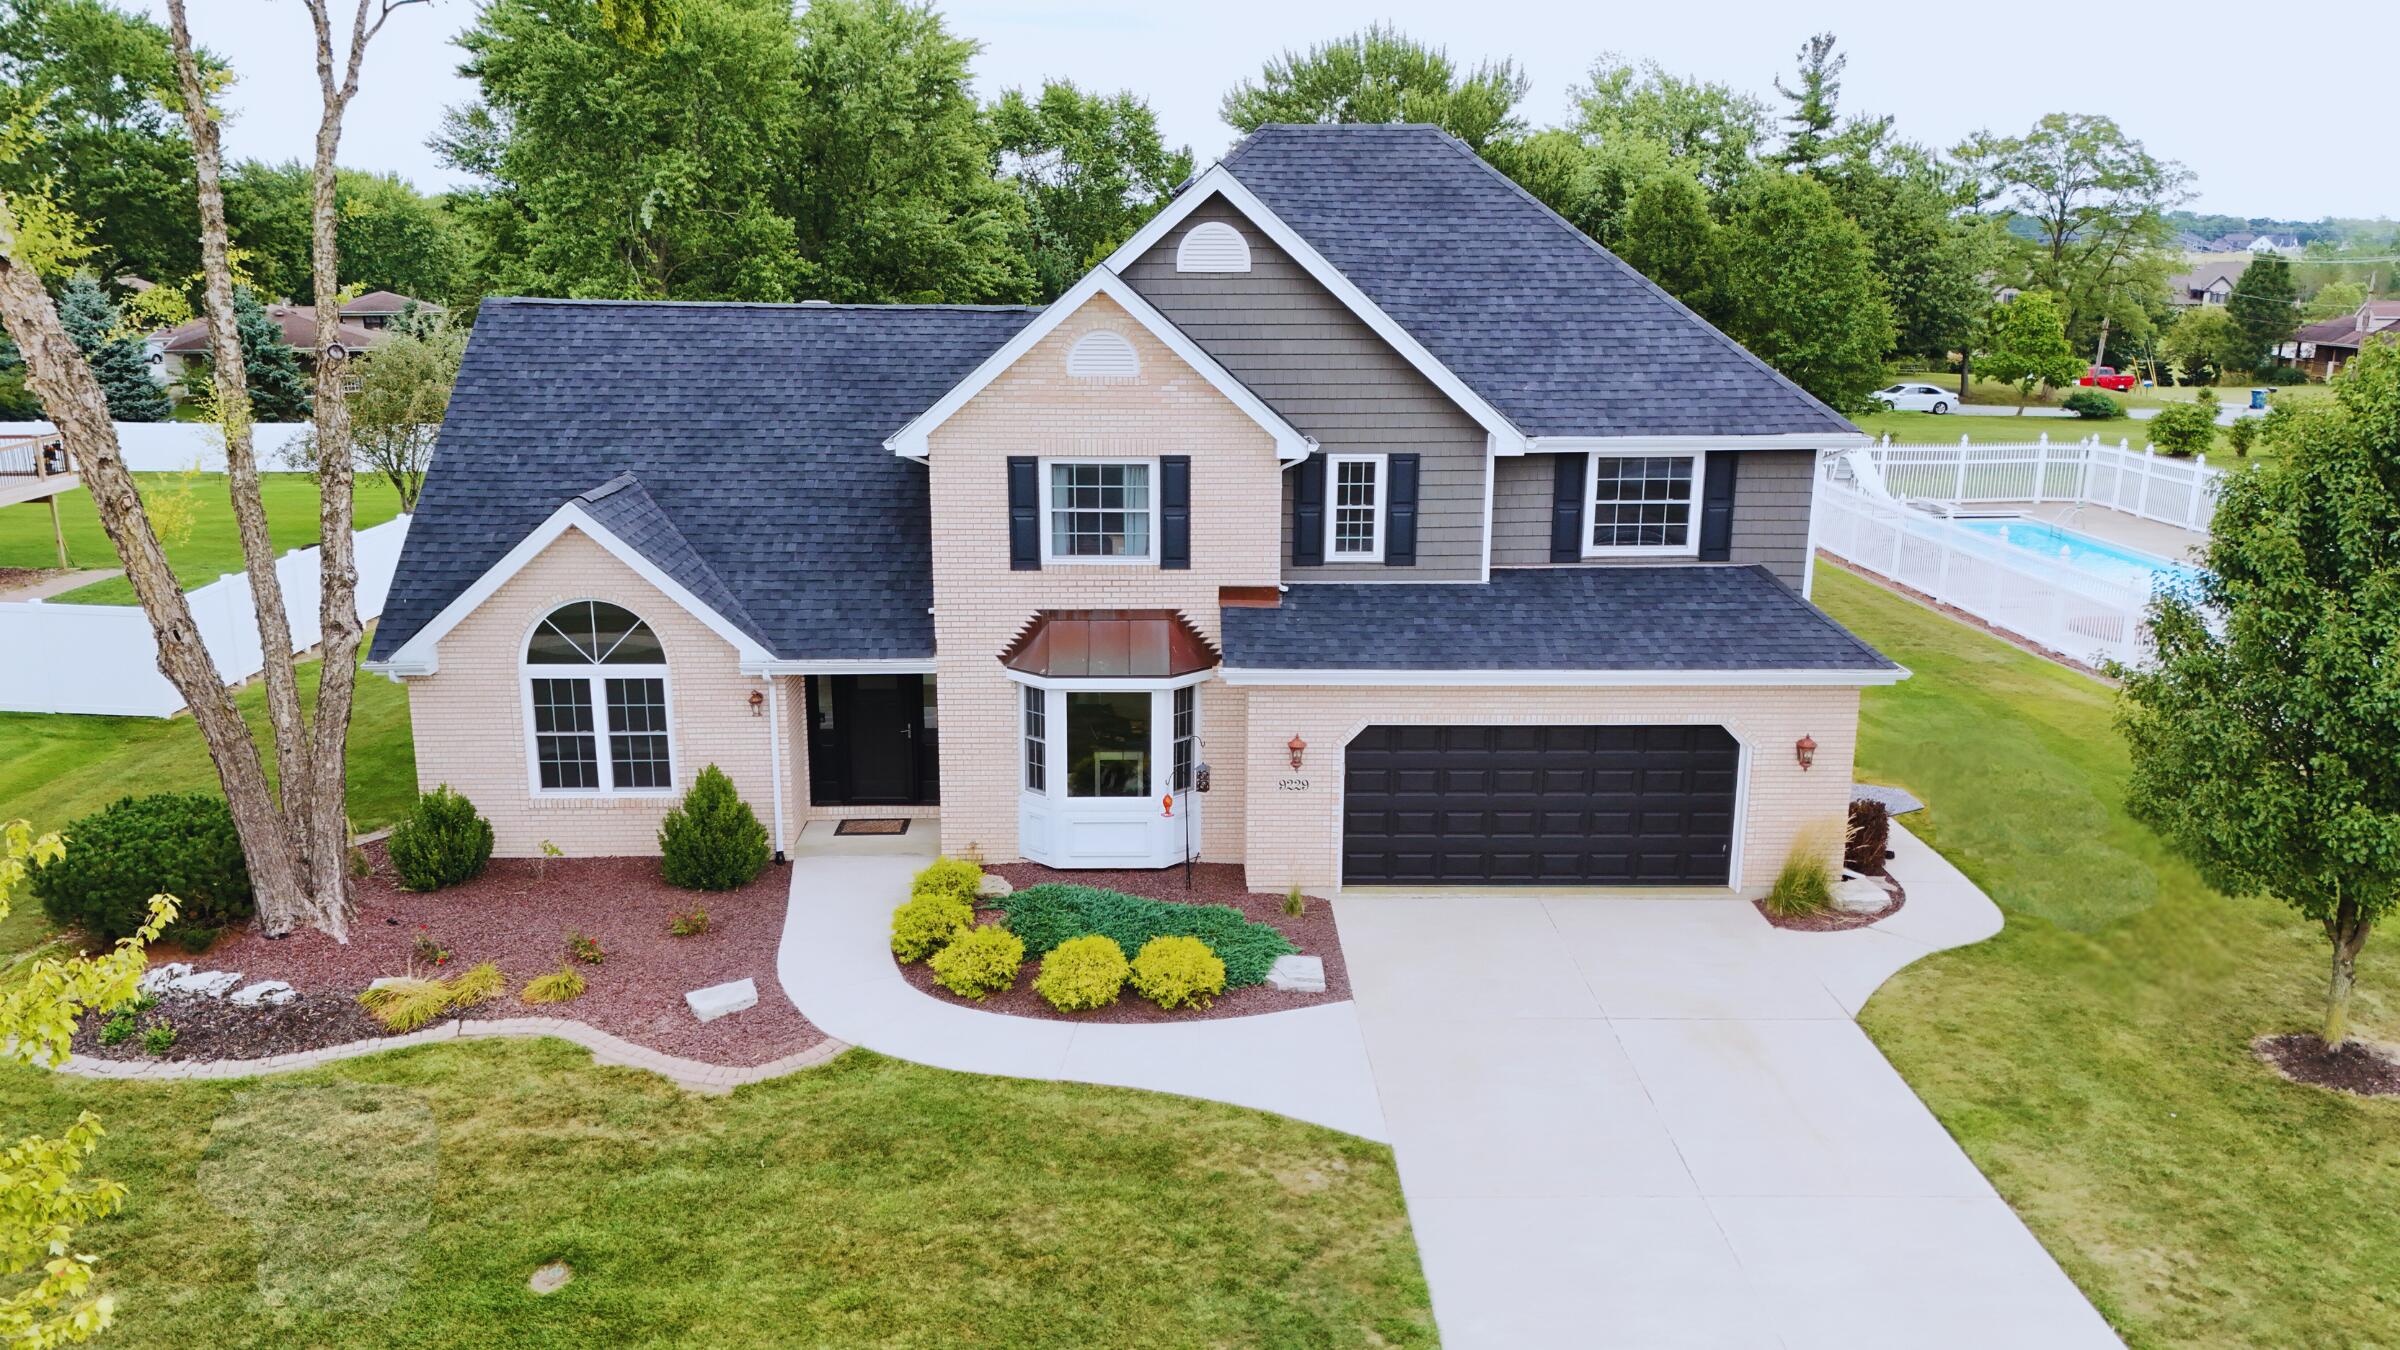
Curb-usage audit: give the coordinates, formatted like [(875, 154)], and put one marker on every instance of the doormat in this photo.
[(873, 825)]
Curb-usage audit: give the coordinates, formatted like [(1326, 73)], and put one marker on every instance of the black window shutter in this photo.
[(1308, 513), (1024, 514), (1716, 508), (1400, 522), (1175, 511), (1568, 481)]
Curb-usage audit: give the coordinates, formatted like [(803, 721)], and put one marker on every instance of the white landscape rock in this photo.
[(1857, 895), (268, 992), (155, 979), (719, 1000), (205, 983), (993, 886), (1297, 974)]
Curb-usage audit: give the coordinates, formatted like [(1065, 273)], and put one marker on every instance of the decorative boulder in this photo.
[(206, 983), (155, 979), (270, 993), (719, 1000), (992, 886), (1297, 974), (1857, 895)]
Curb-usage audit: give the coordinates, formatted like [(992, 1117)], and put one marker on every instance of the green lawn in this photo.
[(54, 768), (1918, 428), (2232, 391), (213, 547), (405, 1198), (2094, 1058)]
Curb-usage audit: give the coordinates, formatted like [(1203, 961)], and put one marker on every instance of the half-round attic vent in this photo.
[(1100, 355), (1213, 246)]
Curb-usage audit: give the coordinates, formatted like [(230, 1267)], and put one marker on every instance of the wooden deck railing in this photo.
[(39, 456)]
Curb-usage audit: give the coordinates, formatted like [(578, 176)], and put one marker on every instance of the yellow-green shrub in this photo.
[(557, 987), (924, 924), (1082, 973), (475, 984), (1178, 972), (948, 876), (979, 962)]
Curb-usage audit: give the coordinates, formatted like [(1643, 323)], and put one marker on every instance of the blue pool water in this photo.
[(2094, 557)]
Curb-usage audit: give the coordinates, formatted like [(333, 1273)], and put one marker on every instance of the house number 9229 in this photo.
[(1292, 784)]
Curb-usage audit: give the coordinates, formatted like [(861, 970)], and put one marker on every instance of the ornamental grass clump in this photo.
[(979, 963), (412, 1001), (712, 841), (1082, 974), (925, 924), (558, 986), (441, 843), (1178, 972), (1049, 914), (1805, 885)]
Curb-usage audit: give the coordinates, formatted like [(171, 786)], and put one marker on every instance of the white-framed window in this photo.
[(595, 683), (1037, 739), (1354, 493), (1212, 246), (1099, 511), (1187, 704), (1642, 504)]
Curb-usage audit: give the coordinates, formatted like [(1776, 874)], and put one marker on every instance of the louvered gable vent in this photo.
[(1213, 246), (1103, 355)]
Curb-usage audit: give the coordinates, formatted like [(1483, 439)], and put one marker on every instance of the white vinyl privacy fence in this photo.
[(2177, 492), (103, 659), (172, 447)]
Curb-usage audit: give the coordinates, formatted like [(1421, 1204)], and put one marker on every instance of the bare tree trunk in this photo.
[(2348, 928), (281, 908), (72, 398)]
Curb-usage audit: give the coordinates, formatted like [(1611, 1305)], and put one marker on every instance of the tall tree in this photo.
[(2264, 742), (1091, 169), (2265, 304), (2205, 343), (392, 237), (2024, 343), (1713, 129), (1802, 289), (403, 389), (1380, 74), (1815, 103), (1935, 257), (1667, 236), (118, 363)]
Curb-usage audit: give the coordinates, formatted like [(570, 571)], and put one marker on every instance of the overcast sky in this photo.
[(2268, 112)]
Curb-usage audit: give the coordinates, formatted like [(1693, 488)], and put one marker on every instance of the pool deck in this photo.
[(2149, 536)]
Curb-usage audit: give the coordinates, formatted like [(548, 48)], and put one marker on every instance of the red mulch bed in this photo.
[(1838, 920), (1212, 884), (518, 914), (2358, 1067)]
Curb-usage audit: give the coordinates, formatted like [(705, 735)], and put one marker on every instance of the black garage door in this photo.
[(1539, 806)]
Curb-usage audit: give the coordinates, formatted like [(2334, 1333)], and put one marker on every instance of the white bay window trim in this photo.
[(1058, 828), (1379, 474), (1689, 548), (1148, 511)]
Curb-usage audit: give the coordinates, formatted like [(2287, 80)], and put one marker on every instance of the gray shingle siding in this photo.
[(1298, 347), (1770, 513)]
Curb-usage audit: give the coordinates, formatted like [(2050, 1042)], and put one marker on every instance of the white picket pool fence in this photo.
[(103, 659), (2179, 492)]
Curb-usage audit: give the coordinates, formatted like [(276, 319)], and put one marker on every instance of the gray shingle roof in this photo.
[(623, 508), (1542, 323), (756, 434), (1564, 618)]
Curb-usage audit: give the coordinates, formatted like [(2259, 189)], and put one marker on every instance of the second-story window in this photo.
[(1098, 511), (1643, 504), (1354, 514)]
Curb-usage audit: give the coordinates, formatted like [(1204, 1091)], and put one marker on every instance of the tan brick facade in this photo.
[(1294, 834), (979, 603)]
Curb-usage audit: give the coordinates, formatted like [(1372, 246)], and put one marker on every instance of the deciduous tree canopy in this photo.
[(1091, 169), (1382, 75)]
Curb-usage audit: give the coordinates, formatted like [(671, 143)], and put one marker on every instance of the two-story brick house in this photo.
[(1453, 550)]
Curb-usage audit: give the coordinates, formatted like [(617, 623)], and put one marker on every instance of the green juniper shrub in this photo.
[(2093, 405), (441, 843), (1082, 973), (924, 924), (1178, 972), (1049, 914), (979, 963), (182, 844), (948, 876), (712, 842)]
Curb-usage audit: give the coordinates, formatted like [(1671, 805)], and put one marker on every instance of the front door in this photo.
[(880, 724)]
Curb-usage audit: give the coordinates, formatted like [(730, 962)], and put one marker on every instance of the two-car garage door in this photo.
[(1540, 806)]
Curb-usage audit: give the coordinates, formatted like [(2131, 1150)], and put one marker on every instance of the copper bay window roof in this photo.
[(1109, 644)]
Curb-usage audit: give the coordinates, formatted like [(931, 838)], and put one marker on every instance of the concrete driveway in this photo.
[(1652, 1122)]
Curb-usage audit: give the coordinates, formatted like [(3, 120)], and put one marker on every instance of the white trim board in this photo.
[(1634, 445), (913, 440), (421, 654), (1601, 679)]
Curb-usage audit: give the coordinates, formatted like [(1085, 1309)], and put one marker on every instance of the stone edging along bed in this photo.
[(690, 1074)]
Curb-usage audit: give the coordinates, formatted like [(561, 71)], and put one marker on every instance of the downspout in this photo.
[(775, 757)]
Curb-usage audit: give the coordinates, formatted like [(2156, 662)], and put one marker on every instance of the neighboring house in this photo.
[(375, 310), (1358, 521), (177, 352), (2236, 241), (2324, 347), (2282, 244), (2210, 283)]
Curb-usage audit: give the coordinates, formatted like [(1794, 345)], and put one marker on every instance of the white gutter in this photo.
[(1601, 679)]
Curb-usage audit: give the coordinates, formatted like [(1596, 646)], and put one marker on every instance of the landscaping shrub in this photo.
[(690, 923), (585, 948), (119, 1027), (557, 987), (2093, 405), (948, 876), (1805, 885), (2186, 429), (1082, 973), (1048, 915), (412, 1001), (2282, 375), (712, 842), (159, 1039), (1178, 972), (924, 924), (183, 844), (1870, 834), (979, 963), (476, 984), (441, 843), (2242, 435)]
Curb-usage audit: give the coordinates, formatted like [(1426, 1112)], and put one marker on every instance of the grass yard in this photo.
[(405, 1199), (1918, 428), (213, 547), (55, 768), (2231, 392), (2094, 1058)]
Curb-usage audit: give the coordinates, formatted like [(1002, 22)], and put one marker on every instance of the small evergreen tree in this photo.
[(2265, 304), (712, 842), (278, 385), (92, 321)]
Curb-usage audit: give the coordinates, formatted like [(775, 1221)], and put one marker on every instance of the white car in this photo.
[(1913, 397)]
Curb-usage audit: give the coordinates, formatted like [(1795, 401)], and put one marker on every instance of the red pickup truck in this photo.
[(2107, 378)]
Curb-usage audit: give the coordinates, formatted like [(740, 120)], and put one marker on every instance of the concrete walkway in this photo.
[(836, 966), (1652, 1122), (59, 583)]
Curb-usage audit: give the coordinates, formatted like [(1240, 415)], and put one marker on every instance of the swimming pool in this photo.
[(2095, 558)]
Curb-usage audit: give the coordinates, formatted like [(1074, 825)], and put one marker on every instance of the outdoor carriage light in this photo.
[(1806, 749), (758, 701), (1297, 746)]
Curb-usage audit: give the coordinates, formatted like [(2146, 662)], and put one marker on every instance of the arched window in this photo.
[(1213, 246), (1101, 354), (590, 664)]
